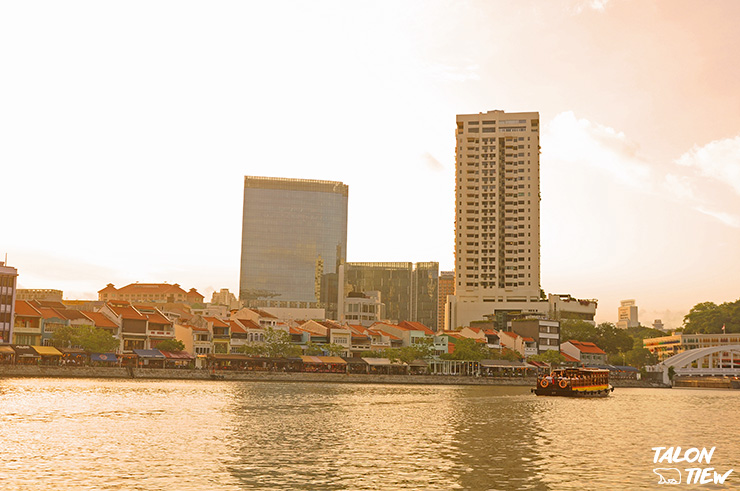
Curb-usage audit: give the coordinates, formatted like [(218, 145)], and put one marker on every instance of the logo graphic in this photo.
[(668, 475)]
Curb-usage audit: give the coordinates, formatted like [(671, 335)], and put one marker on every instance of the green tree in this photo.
[(88, 338), (467, 349), (639, 357), (551, 357), (171, 345), (253, 349), (278, 344), (708, 318)]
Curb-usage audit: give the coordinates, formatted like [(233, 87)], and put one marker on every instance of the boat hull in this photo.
[(568, 392)]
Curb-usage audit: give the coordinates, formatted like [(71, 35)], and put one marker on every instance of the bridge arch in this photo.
[(685, 359)]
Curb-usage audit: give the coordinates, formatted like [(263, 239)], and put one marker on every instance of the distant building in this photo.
[(150, 293), (658, 324), (36, 294), (27, 325), (363, 309), (546, 333), (408, 290), (627, 315), (294, 239), (585, 352), (225, 297), (567, 307), (8, 280), (445, 287), (667, 346)]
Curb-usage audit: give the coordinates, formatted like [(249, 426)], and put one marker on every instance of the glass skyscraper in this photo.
[(294, 237)]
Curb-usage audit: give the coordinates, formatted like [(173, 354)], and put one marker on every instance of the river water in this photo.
[(204, 435)]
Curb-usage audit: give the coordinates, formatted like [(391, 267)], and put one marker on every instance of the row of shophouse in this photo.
[(141, 326)]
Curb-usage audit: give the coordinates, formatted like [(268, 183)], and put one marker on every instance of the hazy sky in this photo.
[(126, 129)]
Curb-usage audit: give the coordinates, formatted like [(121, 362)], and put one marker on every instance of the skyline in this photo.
[(124, 126)]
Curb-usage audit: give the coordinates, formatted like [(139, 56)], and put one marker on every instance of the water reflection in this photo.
[(109, 434)]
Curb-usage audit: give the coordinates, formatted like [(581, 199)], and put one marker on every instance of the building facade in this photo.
[(294, 238), (497, 214), (445, 287), (627, 315), (8, 281), (666, 346), (409, 291), (48, 295)]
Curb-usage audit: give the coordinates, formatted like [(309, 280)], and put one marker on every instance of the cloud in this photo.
[(580, 142), (705, 179), (431, 163), (597, 5)]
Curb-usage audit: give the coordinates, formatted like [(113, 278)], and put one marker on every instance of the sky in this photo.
[(126, 129)]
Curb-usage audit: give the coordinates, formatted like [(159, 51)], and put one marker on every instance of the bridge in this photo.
[(711, 361)]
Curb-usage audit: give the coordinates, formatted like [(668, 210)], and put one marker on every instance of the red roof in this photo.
[(510, 334), (216, 321), (236, 327), (157, 318), (264, 314), (25, 309), (100, 320), (568, 357), (390, 336), (528, 339), (295, 330), (416, 326), (108, 288), (146, 288), (250, 324), (491, 332), (125, 310), (586, 347), (196, 328), (49, 313)]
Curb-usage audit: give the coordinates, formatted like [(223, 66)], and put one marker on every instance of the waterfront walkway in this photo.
[(259, 376)]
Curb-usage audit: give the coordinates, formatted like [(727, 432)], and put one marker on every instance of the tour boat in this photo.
[(574, 382)]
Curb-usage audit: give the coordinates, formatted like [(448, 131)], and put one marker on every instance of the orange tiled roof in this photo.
[(531, 340), (216, 321), (71, 314), (49, 313), (236, 327), (416, 326), (25, 309), (264, 314), (295, 330), (586, 347), (100, 320), (568, 357), (125, 310), (390, 336), (157, 318), (151, 288)]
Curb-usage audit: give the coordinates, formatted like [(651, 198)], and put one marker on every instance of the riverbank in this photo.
[(183, 374)]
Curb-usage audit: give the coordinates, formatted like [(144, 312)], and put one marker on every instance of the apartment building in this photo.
[(497, 216)]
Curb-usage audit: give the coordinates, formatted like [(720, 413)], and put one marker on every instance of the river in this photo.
[(216, 435)]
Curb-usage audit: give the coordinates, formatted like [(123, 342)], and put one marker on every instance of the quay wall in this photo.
[(184, 374)]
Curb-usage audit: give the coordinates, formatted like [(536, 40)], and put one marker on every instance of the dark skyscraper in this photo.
[(294, 237)]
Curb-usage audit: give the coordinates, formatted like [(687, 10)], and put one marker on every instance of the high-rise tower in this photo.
[(497, 215), (294, 238)]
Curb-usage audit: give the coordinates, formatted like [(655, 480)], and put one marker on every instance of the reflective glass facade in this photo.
[(408, 290), (294, 237)]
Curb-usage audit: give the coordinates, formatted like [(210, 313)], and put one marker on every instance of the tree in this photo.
[(639, 357), (469, 350), (551, 357), (88, 338), (278, 344), (171, 345), (708, 318)]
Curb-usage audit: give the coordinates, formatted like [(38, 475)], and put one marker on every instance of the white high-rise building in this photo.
[(497, 216)]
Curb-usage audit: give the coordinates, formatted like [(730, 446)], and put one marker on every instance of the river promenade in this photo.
[(260, 376)]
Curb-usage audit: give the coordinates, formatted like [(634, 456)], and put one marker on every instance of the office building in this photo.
[(497, 216), (408, 290), (8, 279), (446, 286), (627, 315), (294, 238)]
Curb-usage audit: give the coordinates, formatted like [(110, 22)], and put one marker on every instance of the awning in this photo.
[(148, 353), (355, 361), (47, 350), (71, 351), (177, 355), (323, 360), (502, 364), (109, 357), (418, 363), (226, 357), (23, 351), (380, 362), (6, 350)]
